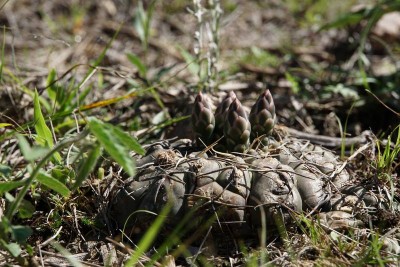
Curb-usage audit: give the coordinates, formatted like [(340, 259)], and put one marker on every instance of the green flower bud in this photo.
[(220, 114), (262, 115), (237, 128), (203, 119)]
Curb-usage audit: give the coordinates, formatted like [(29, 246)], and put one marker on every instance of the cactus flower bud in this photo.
[(237, 128), (203, 119), (262, 115), (221, 111)]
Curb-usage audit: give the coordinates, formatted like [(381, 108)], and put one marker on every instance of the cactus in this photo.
[(262, 115), (203, 119), (264, 188), (237, 128)]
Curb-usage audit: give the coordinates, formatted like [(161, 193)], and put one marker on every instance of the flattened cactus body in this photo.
[(236, 180), (281, 177), (321, 158), (273, 185), (313, 190), (316, 172), (219, 184), (164, 189)]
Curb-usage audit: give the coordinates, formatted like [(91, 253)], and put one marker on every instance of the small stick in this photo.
[(328, 141)]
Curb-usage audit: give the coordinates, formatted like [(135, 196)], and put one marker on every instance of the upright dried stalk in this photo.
[(206, 47)]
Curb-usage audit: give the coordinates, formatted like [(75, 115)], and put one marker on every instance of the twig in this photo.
[(358, 151), (328, 141), (62, 256), (51, 238), (201, 245), (386, 106)]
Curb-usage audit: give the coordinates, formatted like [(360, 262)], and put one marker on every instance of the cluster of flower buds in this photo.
[(232, 121)]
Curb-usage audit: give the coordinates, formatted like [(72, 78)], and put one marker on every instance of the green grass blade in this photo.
[(293, 83), (166, 123), (9, 185), (45, 137), (30, 154), (87, 166), (140, 22), (344, 20), (4, 124), (135, 60), (13, 248), (5, 171), (112, 144), (147, 22), (51, 86), (128, 141), (174, 238), (100, 58), (42, 130), (53, 184), (91, 71), (193, 65), (149, 236)]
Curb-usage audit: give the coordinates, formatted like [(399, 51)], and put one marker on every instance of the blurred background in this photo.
[(326, 62)]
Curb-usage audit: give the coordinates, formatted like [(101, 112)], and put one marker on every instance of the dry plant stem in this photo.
[(358, 151), (51, 238), (62, 256), (386, 106), (208, 20), (327, 141), (213, 52), (128, 250), (198, 12)]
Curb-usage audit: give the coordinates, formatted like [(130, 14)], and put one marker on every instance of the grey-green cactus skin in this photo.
[(210, 179), (236, 178), (165, 188), (293, 176), (262, 116), (273, 187), (203, 119), (237, 128)]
